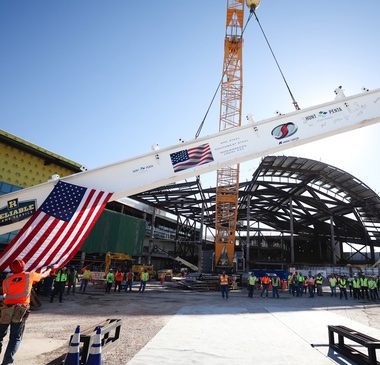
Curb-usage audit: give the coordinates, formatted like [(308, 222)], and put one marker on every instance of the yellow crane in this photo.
[(227, 184)]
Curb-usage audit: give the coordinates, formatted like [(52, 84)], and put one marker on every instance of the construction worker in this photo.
[(223, 282), (15, 308), (376, 287), (86, 277), (290, 285), (301, 281), (110, 277), (356, 287), (59, 284), (265, 281), (72, 279), (310, 285), (128, 286), (333, 281), (371, 287), (350, 280), (342, 283), (251, 284), (319, 282), (144, 277), (276, 282), (364, 286), (119, 276)]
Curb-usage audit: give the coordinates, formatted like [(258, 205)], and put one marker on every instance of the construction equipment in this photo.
[(227, 178), (351, 267), (375, 264), (176, 258), (115, 256), (139, 268), (186, 263)]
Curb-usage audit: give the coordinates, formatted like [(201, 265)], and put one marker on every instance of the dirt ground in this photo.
[(48, 329)]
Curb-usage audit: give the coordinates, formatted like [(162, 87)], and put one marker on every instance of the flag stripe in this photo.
[(57, 253), (14, 249), (54, 234), (79, 235), (41, 256)]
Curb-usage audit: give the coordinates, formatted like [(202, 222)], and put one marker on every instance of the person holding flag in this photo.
[(15, 307)]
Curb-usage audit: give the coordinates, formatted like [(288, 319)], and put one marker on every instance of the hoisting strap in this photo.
[(283, 77)]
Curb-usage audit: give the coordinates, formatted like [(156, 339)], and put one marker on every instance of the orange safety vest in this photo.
[(17, 287), (86, 275), (119, 276), (265, 280), (224, 280)]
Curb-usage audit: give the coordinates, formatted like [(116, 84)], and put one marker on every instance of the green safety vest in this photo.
[(252, 280), (276, 282), (319, 280), (342, 283), (356, 284), (371, 284), (61, 277), (144, 276), (363, 281), (110, 277)]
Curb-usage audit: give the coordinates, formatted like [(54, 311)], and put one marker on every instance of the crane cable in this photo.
[(283, 77), (252, 12), (221, 80)]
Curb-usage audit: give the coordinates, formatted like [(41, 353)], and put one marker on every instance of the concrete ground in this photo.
[(167, 325), (241, 330)]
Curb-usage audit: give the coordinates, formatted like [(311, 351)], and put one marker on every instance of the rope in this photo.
[(283, 77), (221, 80)]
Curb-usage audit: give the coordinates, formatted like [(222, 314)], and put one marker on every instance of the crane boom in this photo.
[(227, 178), (206, 154)]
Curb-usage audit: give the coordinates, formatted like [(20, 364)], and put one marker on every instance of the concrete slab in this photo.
[(272, 335)]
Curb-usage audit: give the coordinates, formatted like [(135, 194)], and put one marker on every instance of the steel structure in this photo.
[(301, 211)]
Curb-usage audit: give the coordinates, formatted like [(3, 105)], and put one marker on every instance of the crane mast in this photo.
[(227, 180)]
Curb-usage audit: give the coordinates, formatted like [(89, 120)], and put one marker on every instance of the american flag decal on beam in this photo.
[(55, 233), (192, 157)]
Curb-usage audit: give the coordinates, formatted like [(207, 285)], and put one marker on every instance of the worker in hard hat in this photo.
[(15, 307), (251, 284), (276, 282), (144, 277), (59, 284), (110, 278), (223, 282)]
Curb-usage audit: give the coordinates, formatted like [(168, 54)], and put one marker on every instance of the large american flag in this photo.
[(185, 159), (57, 230)]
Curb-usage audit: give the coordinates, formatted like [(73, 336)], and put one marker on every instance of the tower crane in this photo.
[(227, 179)]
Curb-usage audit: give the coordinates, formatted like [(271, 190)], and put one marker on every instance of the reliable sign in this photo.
[(16, 211)]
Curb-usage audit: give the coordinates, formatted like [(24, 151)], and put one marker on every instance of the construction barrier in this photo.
[(109, 336), (72, 357), (284, 285), (95, 356)]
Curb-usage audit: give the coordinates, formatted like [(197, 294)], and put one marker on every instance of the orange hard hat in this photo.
[(17, 266)]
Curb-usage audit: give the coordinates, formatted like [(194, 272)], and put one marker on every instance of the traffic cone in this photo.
[(72, 357), (95, 357)]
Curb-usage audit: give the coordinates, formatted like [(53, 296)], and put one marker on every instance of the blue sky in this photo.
[(100, 81)]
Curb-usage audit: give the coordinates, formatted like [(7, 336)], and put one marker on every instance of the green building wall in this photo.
[(115, 232)]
